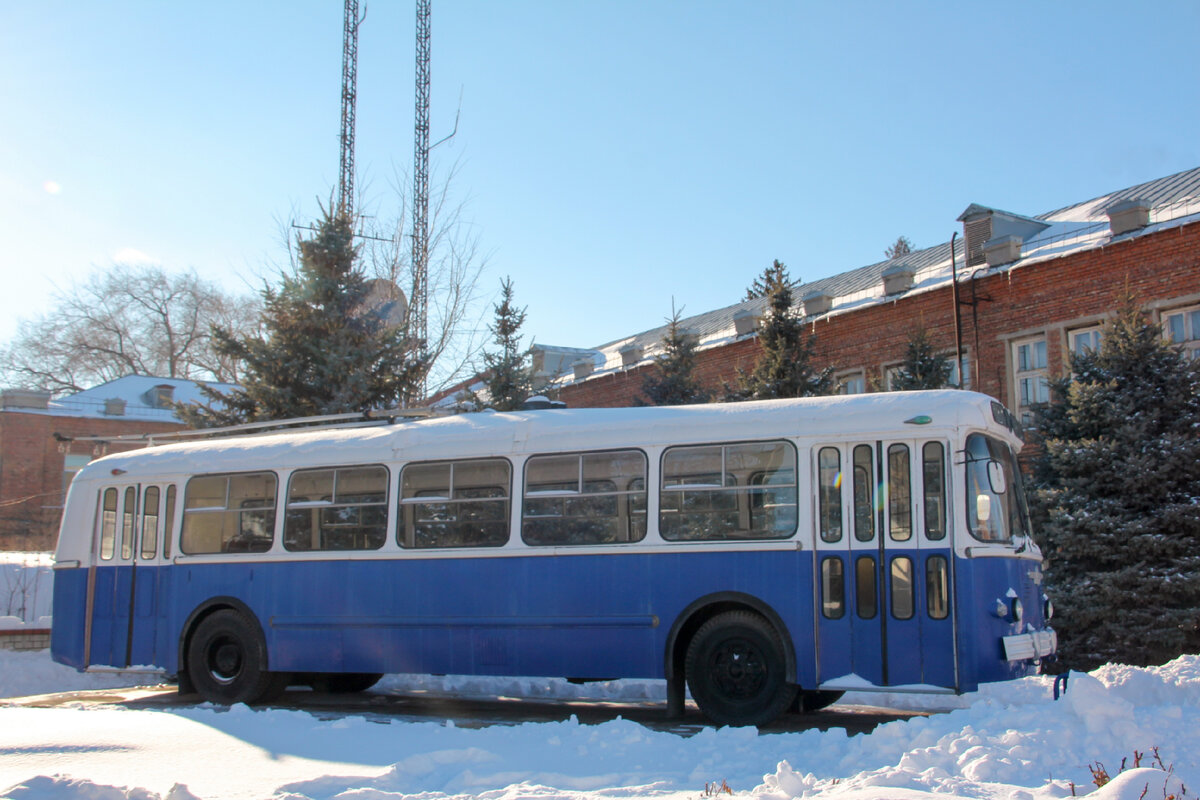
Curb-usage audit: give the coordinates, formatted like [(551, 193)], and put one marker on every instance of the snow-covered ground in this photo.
[(1009, 742)]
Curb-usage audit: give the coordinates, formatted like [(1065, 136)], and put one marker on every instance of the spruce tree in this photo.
[(923, 367), (510, 375), (322, 349), (1117, 487), (674, 383), (784, 369), (901, 247), (771, 276)]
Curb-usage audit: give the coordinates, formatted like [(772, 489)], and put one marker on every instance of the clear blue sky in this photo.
[(614, 155)]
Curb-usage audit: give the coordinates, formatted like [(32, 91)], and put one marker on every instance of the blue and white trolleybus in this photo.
[(765, 555)]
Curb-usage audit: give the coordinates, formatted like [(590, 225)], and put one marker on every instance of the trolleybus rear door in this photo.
[(124, 594)]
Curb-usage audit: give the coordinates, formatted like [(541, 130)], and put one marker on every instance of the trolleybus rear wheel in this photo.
[(227, 661), (736, 671)]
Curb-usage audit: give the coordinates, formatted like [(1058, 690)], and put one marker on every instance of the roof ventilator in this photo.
[(583, 367), (24, 398), (983, 225), (745, 321), (631, 354), (114, 407), (816, 302), (1002, 250), (898, 278), (1128, 215)]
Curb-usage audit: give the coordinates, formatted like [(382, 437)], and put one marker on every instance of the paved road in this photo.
[(479, 713)]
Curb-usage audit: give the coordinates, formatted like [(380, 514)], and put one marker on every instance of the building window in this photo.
[(962, 369), (1084, 340), (1033, 385), (852, 382), (891, 377), (1182, 327)]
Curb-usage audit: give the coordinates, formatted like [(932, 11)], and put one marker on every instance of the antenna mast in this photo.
[(349, 95), (419, 314)]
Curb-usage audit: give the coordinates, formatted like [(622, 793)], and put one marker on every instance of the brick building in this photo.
[(36, 467), (1029, 288)]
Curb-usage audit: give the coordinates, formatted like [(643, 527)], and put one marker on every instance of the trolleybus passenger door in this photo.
[(848, 627), (918, 635), (883, 565), (124, 593)]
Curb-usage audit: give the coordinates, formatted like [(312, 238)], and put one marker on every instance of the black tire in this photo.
[(344, 682), (227, 661), (736, 671), (807, 702)]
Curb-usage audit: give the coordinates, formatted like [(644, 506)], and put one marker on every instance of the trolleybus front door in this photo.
[(124, 598), (883, 553)]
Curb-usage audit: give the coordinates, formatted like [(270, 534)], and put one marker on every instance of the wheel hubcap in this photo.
[(225, 661), (738, 669)]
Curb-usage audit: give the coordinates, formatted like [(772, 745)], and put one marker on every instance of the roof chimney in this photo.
[(1002, 250), (630, 354), (1128, 215)]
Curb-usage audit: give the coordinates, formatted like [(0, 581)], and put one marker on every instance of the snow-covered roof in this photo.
[(141, 398), (1173, 200)]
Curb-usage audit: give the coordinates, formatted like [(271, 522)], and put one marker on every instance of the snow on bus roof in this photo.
[(499, 434)]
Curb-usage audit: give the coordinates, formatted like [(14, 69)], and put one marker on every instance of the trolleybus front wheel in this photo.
[(736, 671), (227, 661)]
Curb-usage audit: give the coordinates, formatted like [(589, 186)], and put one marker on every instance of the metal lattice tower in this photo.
[(349, 95), (419, 310)]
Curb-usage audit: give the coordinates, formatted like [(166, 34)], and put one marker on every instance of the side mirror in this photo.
[(996, 479)]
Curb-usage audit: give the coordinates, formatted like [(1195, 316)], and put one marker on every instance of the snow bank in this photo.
[(1012, 743), (24, 673)]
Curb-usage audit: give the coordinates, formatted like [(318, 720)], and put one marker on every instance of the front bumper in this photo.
[(1026, 646)]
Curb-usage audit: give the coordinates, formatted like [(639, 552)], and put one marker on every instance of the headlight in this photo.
[(1018, 610), (1047, 607)]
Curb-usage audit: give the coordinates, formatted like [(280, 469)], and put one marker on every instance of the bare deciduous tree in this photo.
[(127, 320)]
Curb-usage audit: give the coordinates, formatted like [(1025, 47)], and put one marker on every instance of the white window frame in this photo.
[(1084, 340), (1185, 333), (1031, 375), (852, 382)]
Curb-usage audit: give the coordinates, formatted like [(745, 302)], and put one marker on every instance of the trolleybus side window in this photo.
[(937, 587), (578, 498), (864, 493), (229, 513), (902, 587), (108, 525), (864, 582), (710, 492), (933, 456), (169, 522), (128, 510), (833, 587), (899, 494), (337, 509), (150, 500), (455, 503), (829, 493)]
